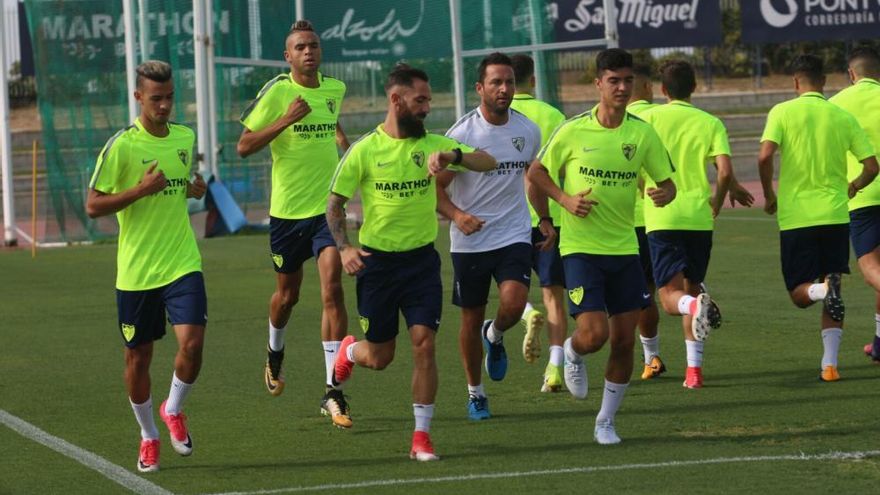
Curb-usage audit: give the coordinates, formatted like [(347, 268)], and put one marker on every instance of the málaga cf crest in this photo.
[(184, 156), (576, 295), (629, 150), (519, 143), (331, 105), (418, 157)]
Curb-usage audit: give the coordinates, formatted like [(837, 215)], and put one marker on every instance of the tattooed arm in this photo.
[(351, 256)]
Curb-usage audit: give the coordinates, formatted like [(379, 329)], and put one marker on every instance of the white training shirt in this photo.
[(498, 197)]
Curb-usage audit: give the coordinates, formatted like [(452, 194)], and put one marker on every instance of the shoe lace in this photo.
[(478, 403), (177, 426), (574, 372), (336, 403), (275, 360), (149, 452)]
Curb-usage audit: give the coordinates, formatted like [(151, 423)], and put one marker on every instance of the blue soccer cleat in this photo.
[(496, 356), (478, 408)]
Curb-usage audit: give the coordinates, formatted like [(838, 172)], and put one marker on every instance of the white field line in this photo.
[(831, 456), (92, 461)]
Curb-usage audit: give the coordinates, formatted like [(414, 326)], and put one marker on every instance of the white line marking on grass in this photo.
[(831, 456), (93, 461)]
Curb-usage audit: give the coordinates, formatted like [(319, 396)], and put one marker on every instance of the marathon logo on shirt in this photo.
[(403, 189), (314, 131), (174, 186), (509, 168), (610, 178)]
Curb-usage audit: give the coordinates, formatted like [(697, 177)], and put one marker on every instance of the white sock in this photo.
[(684, 304), (493, 334), (276, 337), (528, 310), (651, 347), (572, 356), (556, 355), (144, 415), (331, 347), (423, 414), (177, 394), (831, 343), (817, 292), (476, 390), (611, 399), (349, 352), (694, 353), (877, 325)]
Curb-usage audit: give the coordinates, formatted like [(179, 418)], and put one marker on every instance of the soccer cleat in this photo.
[(496, 356), (833, 301), (343, 367), (148, 456), (553, 380), (576, 378), (534, 322), (693, 377), (478, 408), (273, 376), (176, 423), (334, 405), (707, 317), (422, 450), (604, 432), (872, 350), (829, 374), (654, 369)]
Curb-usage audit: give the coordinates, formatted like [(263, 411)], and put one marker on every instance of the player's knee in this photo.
[(381, 360), (138, 359), (288, 298), (331, 293), (192, 349), (423, 351)]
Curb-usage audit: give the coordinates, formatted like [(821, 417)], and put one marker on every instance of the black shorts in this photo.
[(864, 229), (811, 252), (292, 242), (685, 251), (645, 255), (610, 283), (142, 312), (392, 283), (547, 264), (473, 272)]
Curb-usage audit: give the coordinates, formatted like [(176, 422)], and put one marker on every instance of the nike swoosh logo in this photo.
[(149, 160), (646, 295), (587, 150), (383, 165)]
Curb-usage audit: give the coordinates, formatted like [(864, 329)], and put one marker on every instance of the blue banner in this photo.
[(642, 23), (774, 21)]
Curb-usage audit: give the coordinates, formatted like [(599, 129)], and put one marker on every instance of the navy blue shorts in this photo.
[(610, 283), (473, 272), (864, 229), (547, 264), (392, 283), (292, 242), (680, 251), (142, 312), (645, 255), (811, 252)]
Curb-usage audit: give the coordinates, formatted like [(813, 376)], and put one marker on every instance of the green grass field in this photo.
[(61, 368)]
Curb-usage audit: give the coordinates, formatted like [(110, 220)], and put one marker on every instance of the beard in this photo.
[(412, 125), (496, 108)]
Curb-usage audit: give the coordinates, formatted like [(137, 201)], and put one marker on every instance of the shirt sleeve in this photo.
[(720, 143), (860, 144), (773, 129), (555, 153), (447, 143), (105, 179), (348, 173), (264, 110), (657, 163)]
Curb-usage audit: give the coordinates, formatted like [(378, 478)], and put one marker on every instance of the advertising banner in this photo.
[(775, 21)]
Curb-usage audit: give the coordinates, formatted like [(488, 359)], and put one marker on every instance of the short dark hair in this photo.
[(678, 78), (613, 59), (300, 25), (523, 68), (809, 67), (154, 70), (865, 59), (643, 70), (494, 58), (404, 75)]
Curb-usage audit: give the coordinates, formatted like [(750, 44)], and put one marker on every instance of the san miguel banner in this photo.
[(642, 23), (392, 29), (773, 21)]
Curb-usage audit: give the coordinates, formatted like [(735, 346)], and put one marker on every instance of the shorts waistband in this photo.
[(427, 248)]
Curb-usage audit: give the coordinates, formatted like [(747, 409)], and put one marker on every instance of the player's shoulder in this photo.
[(279, 82), (177, 129), (331, 82), (464, 122), (124, 135), (519, 119)]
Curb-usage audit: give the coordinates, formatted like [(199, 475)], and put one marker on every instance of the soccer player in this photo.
[(397, 268), (491, 232), (297, 115), (813, 136), (862, 99), (547, 264), (143, 176), (598, 156), (680, 235)]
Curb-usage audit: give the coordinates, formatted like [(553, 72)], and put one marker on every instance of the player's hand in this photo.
[(298, 109), (739, 194), (659, 195), (578, 205), (438, 161), (153, 180), (549, 233), (467, 223), (852, 190), (716, 203), (351, 259), (770, 203), (196, 189)]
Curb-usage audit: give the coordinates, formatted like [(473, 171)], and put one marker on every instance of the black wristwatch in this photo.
[(458, 156)]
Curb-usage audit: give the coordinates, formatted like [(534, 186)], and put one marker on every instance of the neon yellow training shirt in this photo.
[(399, 197), (813, 137), (862, 99), (693, 138), (608, 161), (156, 241), (547, 118), (304, 155), (637, 108)]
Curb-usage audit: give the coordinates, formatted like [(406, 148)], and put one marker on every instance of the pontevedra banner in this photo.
[(642, 23), (773, 21)]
